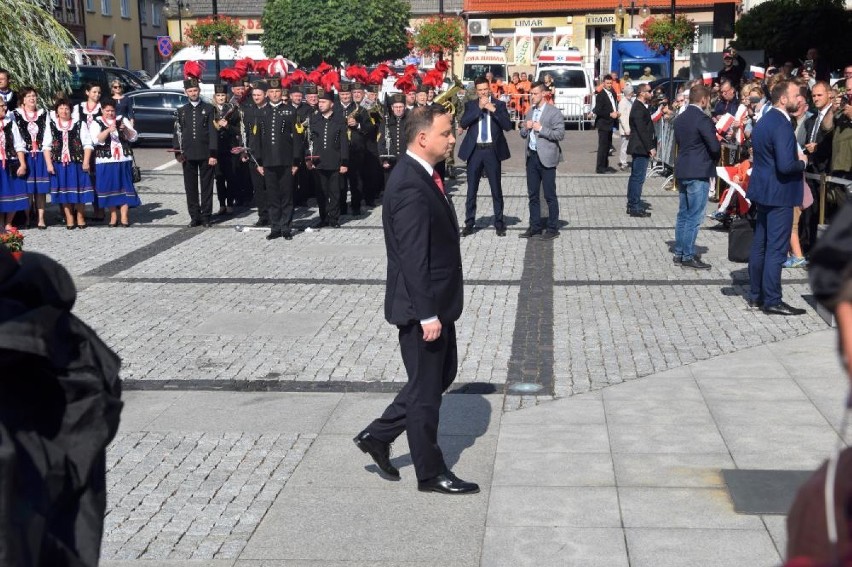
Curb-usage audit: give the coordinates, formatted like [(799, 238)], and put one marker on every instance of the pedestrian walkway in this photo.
[(602, 394)]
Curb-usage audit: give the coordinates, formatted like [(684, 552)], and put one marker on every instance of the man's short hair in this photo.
[(779, 90), (480, 80), (420, 119), (728, 82), (5, 72), (698, 93), (628, 88), (541, 85)]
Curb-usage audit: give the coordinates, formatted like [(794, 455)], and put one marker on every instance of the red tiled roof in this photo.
[(568, 6)]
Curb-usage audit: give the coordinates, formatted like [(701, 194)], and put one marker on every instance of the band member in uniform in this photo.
[(112, 136), (306, 187), (196, 147), (9, 96), (241, 98), (330, 144), (69, 162), (280, 151), (373, 179), (392, 135), (250, 132), (422, 96), (410, 99), (361, 132), (226, 121)]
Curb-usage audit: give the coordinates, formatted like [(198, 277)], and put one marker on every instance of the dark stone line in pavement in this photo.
[(286, 281), (334, 386), (531, 361), (684, 282), (143, 253)]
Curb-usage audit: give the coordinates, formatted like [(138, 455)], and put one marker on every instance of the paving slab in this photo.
[(533, 547), (700, 548)]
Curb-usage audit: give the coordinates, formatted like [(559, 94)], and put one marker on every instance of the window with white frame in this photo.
[(106, 7), (155, 14), (125, 8), (90, 5), (143, 12)]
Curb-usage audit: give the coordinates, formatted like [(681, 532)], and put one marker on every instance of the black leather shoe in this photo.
[(192, 224), (529, 233), (677, 259), (639, 214), (548, 235), (262, 223), (287, 234), (335, 225), (273, 235), (610, 170), (447, 483), (501, 231), (754, 304), (467, 231), (322, 224), (356, 212), (206, 224), (695, 263), (379, 451), (782, 309)]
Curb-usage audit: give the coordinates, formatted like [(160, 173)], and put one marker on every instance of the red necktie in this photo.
[(436, 177)]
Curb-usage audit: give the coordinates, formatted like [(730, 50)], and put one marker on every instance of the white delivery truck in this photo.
[(171, 75), (572, 81)]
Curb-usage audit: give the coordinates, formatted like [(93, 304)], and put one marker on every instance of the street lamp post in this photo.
[(671, 61), (181, 10), (219, 38), (644, 11)]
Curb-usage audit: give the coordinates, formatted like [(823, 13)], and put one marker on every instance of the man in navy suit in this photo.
[(423, 298), (776, 186), (698, 150), (606, 115), (484, 147)]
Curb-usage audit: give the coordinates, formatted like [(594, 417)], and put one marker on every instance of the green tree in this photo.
[(786, 29), (311, 31), (34, 46)]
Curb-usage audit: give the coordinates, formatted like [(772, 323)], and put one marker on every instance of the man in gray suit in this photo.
[(543, 127)]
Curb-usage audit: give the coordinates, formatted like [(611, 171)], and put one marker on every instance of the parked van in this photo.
[(481, 59), (171, 75), (573, 84), (91, 56)]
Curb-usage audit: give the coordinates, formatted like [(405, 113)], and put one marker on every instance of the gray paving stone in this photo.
[(553, 469), (700, 548), (569, 507), (592, 547), (689, 470), (629, 438), (710, 508), (562, 439)]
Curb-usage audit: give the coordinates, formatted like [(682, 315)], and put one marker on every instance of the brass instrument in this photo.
[(305, 128), (224, 115), (449, 98)]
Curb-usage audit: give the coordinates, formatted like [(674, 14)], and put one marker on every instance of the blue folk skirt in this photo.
[(13, 191), (114, 185), (71, 185), (38, 180)]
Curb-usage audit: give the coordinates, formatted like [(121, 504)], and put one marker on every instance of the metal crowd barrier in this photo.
[(824, 180), (663, 164)]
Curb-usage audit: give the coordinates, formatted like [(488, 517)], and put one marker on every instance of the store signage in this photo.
[(600, 19)]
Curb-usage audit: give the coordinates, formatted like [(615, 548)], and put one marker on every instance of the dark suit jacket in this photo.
[(643, 137), (12, 103), (698, 148), (422, 240), (195, 134), (776, 177), (603, 107), (820, 160), (500, 121)]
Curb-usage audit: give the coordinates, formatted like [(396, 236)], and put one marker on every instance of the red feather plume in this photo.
[(410, 70), (357, 73), (375, 78), (231, 75), (405, 83), (324, 68), (297, 77), (433, 78), (330, 80), (244, 66), (193, 70), (315, 77), (442, 65), (385, 70)]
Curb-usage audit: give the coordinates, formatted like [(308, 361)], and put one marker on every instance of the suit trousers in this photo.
[(226, 185), (541, 179), (242, 179), (431, 368), (279, 180), (261, 199), (328, 181), (353, 181), (484, 159), (769, 252), (199, 210), (604, 144)]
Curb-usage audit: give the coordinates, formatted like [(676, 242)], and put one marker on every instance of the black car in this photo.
[(81, 75), (154, 113), (665, 84)]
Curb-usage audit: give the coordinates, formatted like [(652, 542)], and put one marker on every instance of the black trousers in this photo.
[(431, 368), (242, 189), (353, 182), (373, 179), (604, 143), (279, 183), (199, 210), (226, 186), (258, 183), (328, 181), (484, 159), (304, 189)]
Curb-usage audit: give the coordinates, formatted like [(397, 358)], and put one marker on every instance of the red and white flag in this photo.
[(740, 117), (758, 72), (657, 115), (708, 78), (724, 122)]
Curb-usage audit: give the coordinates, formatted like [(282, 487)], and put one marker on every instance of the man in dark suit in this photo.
[(6, 92), (423, 298), (775, 188), (642, 145), (196, 146), (606, 113), (698, 150), (483, 148)]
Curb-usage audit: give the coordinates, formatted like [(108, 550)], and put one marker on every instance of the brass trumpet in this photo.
[(449, 98)]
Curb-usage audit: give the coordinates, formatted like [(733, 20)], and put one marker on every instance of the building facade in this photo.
[(248, 12), (152, 24), (70, 14), (114, 25)]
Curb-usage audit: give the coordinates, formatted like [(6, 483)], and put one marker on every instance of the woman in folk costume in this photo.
[(114, 188), (87, 112), (32, 123), (69, 163), (13, 168)]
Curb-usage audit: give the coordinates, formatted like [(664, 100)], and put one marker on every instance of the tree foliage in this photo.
[(337, 31), (439, 35), (664, 35), (786, 29), (207, 31), (34, 46)]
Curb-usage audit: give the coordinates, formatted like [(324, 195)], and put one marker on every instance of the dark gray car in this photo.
[(154, 113)]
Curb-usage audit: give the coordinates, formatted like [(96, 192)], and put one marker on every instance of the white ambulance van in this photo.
[(574, 88)]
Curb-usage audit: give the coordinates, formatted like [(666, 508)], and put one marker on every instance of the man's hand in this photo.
[(294, 169), (351, 122), (180, 158), (343, 169), (811, 147), (260, 170), (613, 114), (212, 162), (528, 124), (653, 153), (386, 164), (536, 126), (431, 331), (222, 123)]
